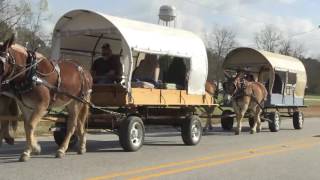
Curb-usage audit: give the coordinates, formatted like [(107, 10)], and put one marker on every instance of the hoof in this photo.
[(24, 157), (237, 133), (82, 151), (9, 141), (252, 132), (60, 154), (36, 150)]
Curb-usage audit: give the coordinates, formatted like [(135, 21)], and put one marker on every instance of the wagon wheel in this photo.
[(61, 134), (275, 123), (131, 133), (191, 130), (298, 120), (226, 120)]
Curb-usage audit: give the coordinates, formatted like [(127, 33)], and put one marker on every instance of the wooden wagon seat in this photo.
[(147, 73)]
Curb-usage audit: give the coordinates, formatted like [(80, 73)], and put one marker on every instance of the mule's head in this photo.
[(5, 57), (231, 84)]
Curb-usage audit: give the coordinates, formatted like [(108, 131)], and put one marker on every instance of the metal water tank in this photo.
[(167, 13)]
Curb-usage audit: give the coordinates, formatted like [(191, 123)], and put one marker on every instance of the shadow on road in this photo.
[(103, 146), (11, 154)]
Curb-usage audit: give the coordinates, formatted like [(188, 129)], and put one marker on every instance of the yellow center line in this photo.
[(172, 164), (220, 162)]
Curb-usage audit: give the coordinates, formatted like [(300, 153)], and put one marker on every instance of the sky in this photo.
[(299, 20)]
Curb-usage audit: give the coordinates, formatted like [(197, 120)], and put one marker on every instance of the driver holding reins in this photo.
[(107, 68)]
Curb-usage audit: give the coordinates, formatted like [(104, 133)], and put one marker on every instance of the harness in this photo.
[(240, 91), (25, 85), (33, 78)]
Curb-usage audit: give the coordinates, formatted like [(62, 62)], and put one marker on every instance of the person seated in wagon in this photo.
[(107, 68)]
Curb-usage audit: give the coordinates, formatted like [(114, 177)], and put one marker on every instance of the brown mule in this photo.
[(246, 95), (31, 89)]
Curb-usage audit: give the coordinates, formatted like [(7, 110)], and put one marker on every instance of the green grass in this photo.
[(312, 100)]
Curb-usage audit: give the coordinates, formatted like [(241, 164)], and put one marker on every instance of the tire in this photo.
[(274, 126), (251, 121), (61, 134), (131, 134), (298, 120), (227, 122), (191, 130)]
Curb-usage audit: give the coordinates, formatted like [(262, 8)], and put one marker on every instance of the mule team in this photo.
[(38, 84)]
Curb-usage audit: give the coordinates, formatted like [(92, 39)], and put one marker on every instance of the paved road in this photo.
[(288, 154)]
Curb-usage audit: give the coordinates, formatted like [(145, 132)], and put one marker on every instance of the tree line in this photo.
[(26, 21)]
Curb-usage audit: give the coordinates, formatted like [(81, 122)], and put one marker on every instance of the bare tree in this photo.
[(12, 12), (219, 42), (291, 48), (298, 50), (269, 38), (31, 32), (35, 20), (285, 47)]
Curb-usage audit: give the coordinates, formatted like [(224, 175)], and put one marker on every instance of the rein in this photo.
[(80, 99)]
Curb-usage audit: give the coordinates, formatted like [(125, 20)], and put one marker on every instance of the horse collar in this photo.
[(27, 83)]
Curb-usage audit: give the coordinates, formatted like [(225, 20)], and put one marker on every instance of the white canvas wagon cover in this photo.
[(243, 57), (80, 29)]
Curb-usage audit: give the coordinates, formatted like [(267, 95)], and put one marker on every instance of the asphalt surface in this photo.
[(288, 154)]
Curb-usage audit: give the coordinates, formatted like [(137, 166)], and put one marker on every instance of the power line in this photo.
[(302, 33)]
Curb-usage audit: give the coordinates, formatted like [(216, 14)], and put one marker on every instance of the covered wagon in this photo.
[(164, 71), (283, 76)]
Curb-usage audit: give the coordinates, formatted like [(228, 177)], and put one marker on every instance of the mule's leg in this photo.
[(83, 116), (208, 126), (239, 115), (1, 132), (7, 127), (73, 111), (239, 125), (31, 120), (259, 110), (254, 127), (6, 133)]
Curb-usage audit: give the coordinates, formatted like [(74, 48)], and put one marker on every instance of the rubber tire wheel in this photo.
[(251, 121), (274, 126), (298, 120), (60, 135), (227, 122), (187, 129), (125, 131)]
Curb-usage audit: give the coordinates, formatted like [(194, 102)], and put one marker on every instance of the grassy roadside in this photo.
[(312, 100)]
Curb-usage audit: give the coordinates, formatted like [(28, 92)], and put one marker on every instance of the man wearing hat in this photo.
[(107, 68)]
